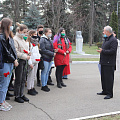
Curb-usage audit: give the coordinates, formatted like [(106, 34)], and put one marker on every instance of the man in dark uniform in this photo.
[(39, 33), (108, 62)]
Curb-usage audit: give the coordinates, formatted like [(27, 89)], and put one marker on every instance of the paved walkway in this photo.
[(79, 99)]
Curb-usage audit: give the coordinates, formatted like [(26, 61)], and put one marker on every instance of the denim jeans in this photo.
[(65, 76), (99, 67), (4, 81), (45, 72)]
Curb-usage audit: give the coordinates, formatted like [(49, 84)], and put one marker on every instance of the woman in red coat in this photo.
[(63, 46)]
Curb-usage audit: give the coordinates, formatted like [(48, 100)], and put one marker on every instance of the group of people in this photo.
[(25, 54)]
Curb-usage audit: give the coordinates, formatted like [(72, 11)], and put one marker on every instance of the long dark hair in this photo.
[(60, 30), (31, 32), (5, 23)]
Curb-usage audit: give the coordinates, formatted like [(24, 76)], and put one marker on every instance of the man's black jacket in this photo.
[(108, 54)]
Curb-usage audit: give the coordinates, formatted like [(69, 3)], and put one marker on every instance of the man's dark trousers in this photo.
[(107, 79)]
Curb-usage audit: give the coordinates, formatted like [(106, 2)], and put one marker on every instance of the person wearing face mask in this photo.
[(47, 53), (99, 65), (39, 34), (20, 72), (64, 48), (8, 59), (108, 62), (33, 61)]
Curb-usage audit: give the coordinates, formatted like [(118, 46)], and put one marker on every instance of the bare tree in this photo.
[(91, 23)]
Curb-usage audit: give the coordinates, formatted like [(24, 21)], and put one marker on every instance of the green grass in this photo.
[(87, 49), (85, 59), (112, 117)]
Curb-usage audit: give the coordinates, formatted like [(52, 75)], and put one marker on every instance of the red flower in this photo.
[(37, 59), (60, 44), (33, 44), (25, 51), (6, 74)]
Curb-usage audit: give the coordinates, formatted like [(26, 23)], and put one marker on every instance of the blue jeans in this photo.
[(4, 81), (65, 76), (99, 67), (45, 72)]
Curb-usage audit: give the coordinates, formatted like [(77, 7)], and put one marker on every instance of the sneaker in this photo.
[(25, 98), (31, 92), (4, 107), (19, 100), (7, 104), (35, 90), (47, 87), (44, 88)]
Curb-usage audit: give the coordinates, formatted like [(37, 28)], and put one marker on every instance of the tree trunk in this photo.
[(91, 26)]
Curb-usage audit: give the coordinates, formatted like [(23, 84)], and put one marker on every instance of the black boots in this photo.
[(61, 85)]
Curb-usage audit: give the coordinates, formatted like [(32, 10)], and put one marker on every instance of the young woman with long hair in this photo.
[(8, 60)]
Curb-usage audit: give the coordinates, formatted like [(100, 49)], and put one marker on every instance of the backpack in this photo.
[(1, 51)]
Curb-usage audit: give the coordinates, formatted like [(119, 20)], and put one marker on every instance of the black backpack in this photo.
[(1, 51)]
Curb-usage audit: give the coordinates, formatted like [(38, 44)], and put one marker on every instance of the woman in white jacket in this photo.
[(33, 61)]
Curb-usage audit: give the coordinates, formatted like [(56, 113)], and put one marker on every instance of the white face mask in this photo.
[(11, 28), (50, 35), (22, 34)]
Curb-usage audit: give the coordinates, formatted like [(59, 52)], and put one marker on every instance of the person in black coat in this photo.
[(47, 53), (108, 62), (8, 60)]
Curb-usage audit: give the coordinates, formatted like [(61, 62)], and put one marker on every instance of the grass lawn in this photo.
[(87, 49), (85, 59), (112, 117)]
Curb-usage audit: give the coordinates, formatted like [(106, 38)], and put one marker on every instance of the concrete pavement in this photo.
[(79, 99)]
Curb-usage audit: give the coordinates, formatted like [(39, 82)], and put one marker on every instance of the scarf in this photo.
[(35, 41)]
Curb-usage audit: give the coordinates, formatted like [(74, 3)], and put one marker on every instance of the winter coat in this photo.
[(60, 59), (66, 70), (46, 48), (21, 45), (34, 55), (109, 50), (9, 52)]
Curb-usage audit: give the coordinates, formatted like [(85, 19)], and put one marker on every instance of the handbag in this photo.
[(41, 64)]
